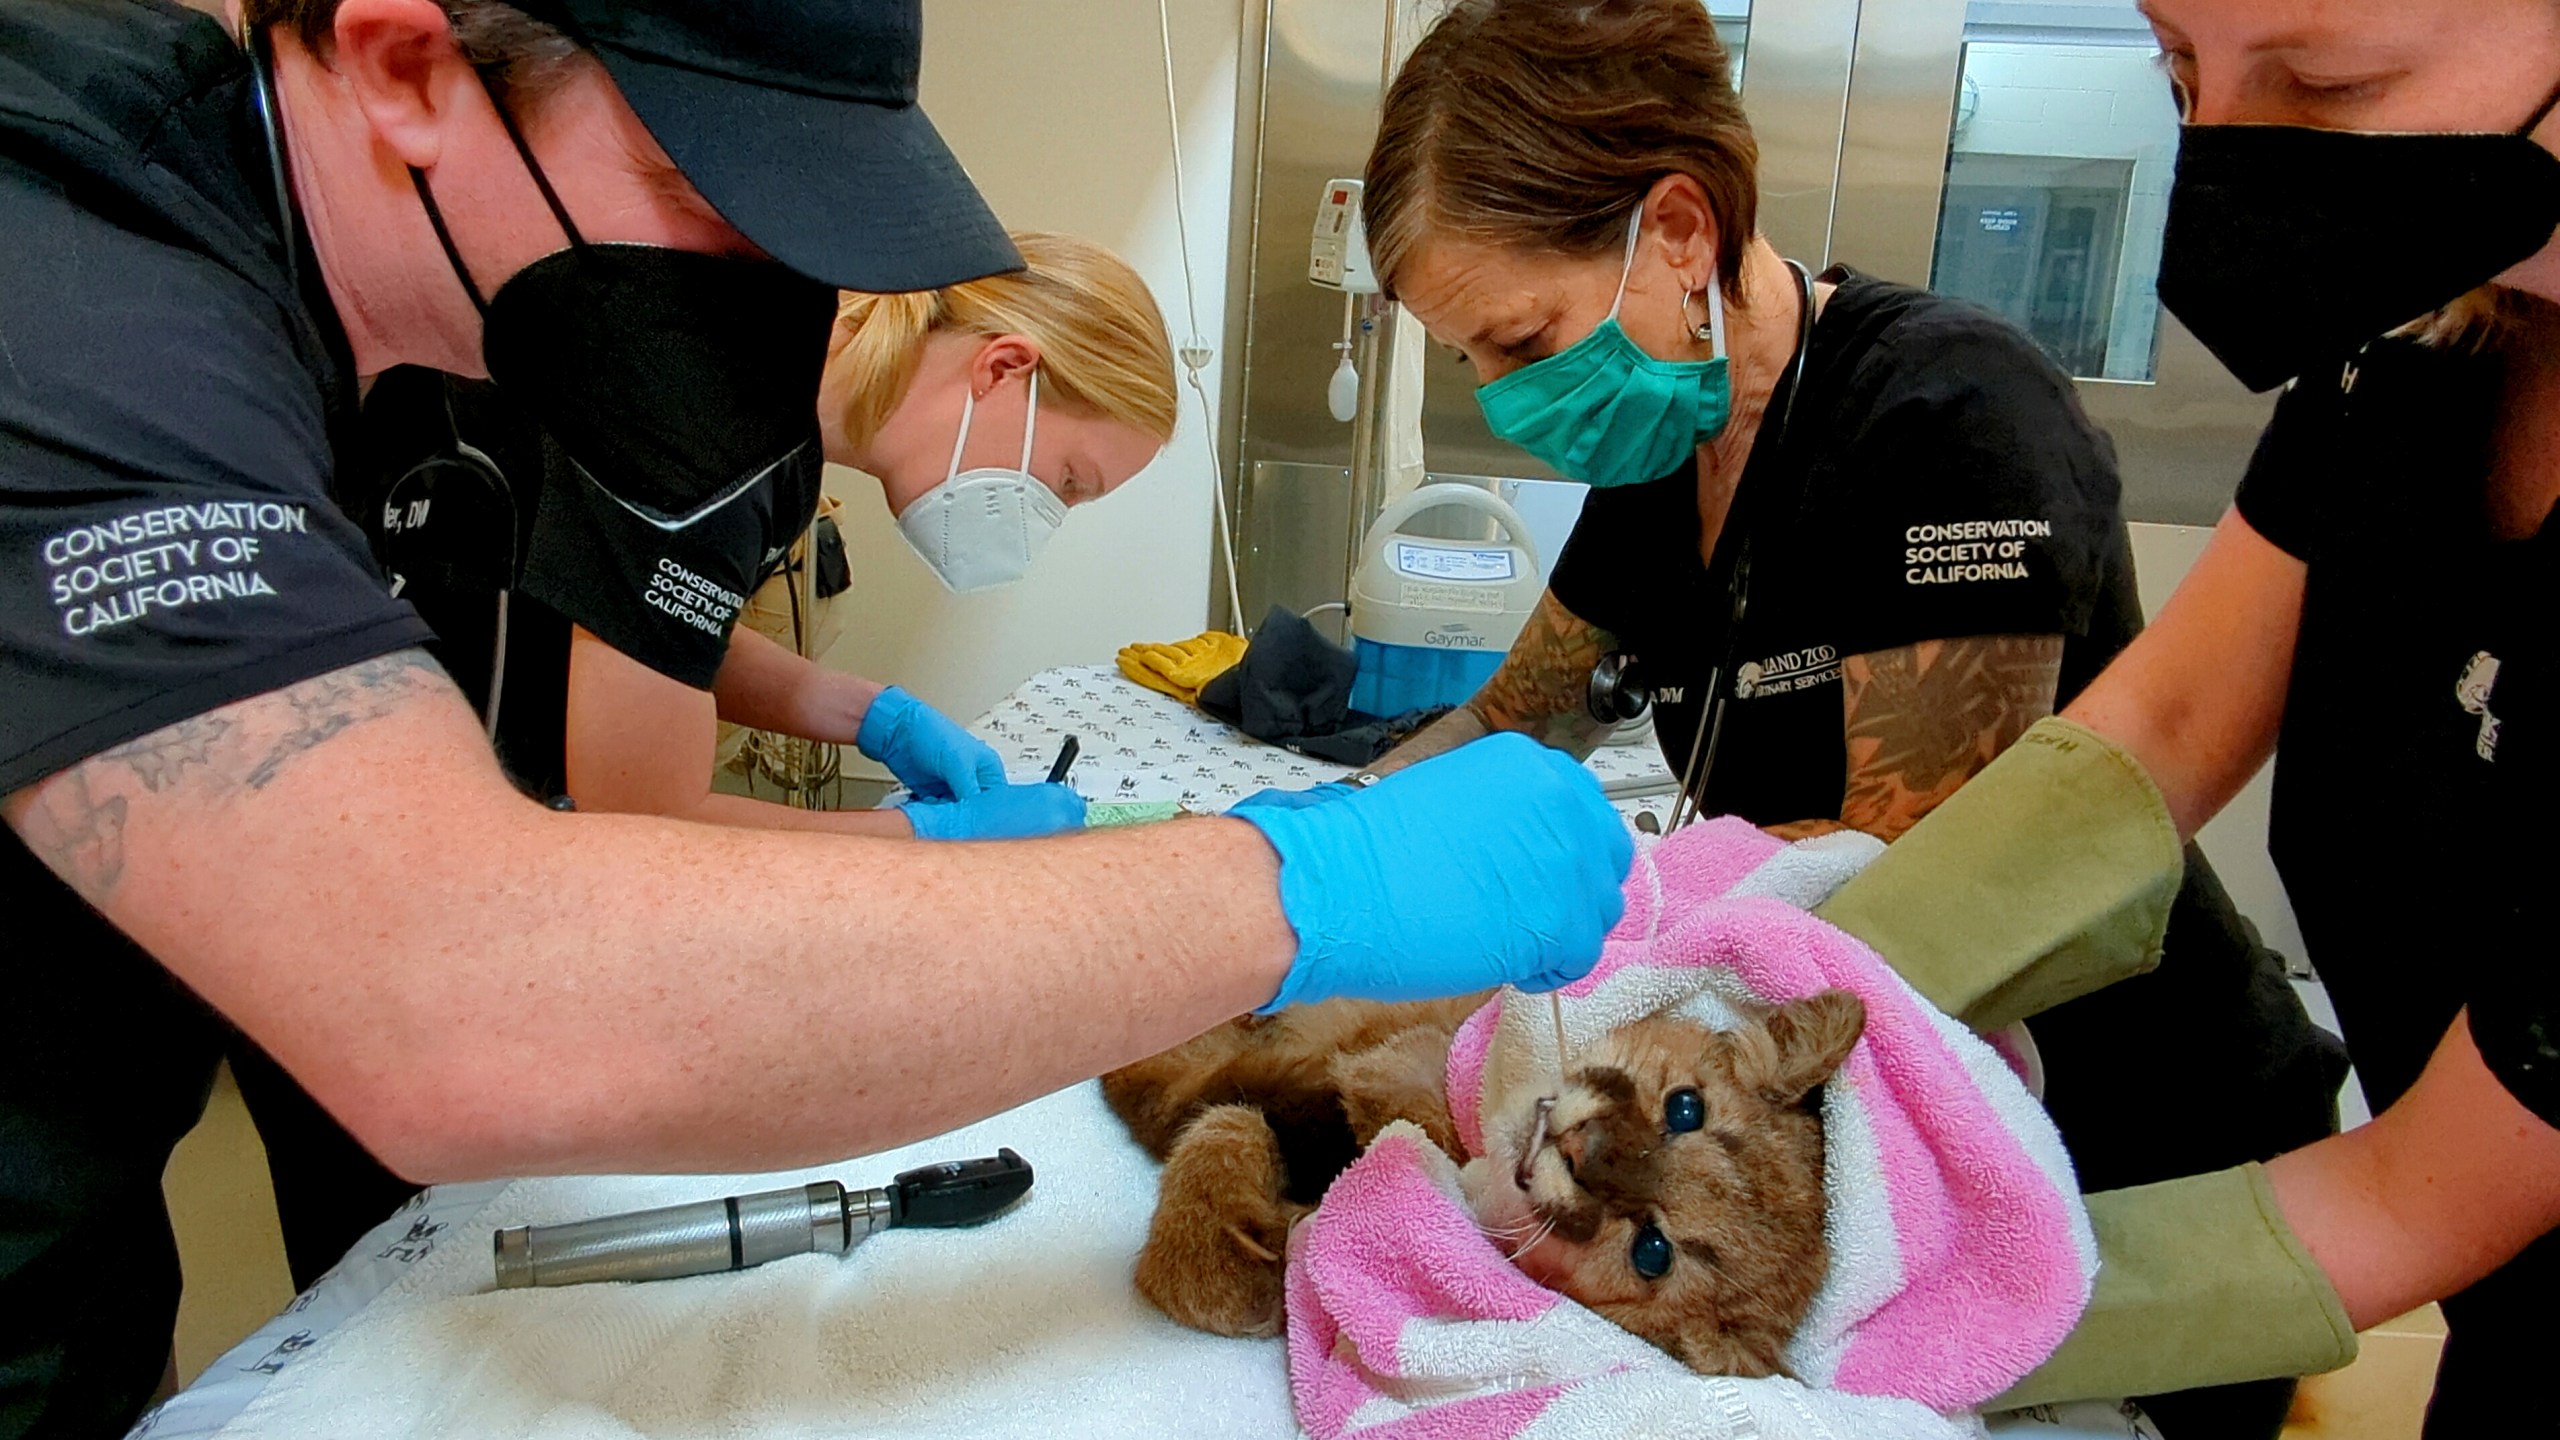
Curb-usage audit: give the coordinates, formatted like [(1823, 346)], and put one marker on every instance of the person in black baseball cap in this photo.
[(799, 123), (244, 803)]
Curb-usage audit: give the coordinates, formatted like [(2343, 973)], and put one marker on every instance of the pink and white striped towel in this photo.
[(1961, 1254)]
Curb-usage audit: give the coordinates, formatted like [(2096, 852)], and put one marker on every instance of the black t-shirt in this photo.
[(171, 409), (664, 590), (2420, 756), (1937, 479), (667, 596)]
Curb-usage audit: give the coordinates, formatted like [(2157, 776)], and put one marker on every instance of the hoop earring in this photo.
[(1702, 331)]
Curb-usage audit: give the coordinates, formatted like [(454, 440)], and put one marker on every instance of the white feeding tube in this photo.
[(1195, 351)]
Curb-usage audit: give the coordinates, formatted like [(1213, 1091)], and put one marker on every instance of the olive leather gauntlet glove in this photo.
[(2048, 876), (2200, 1282)]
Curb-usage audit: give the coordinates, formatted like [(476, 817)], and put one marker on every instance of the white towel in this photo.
[(1026, 1326)]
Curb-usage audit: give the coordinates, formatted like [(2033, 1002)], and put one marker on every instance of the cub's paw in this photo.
[(1217, 1248)]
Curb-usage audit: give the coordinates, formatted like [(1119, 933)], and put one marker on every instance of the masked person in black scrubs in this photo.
[(1854, 537), (241, 793), (986, 409), (2364, 213)]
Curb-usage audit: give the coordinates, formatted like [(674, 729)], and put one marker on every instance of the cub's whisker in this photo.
[(1532, 1242)]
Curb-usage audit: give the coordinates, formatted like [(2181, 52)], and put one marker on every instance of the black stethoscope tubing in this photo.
[(1685, 802)]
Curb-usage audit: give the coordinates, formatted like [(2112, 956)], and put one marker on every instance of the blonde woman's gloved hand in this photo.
[(1324, 794), (1497, 863), (1007, 812), (928, 753)]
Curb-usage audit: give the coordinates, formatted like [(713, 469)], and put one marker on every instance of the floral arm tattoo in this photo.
[(1923, 719)]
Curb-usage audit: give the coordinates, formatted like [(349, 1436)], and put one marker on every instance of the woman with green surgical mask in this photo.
[(1861, 536), (1605, 411)]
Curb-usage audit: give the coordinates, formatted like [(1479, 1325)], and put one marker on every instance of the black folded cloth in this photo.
[(1293, 688)]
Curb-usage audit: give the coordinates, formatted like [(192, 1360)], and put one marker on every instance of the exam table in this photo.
[(1025, 1326)]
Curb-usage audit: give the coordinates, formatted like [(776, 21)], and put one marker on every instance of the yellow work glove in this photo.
[(2048, 876), (1181, 668), (2200, 1282)]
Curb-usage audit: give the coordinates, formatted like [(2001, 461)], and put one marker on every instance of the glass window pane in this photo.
[(1733, 27), (2058, 179)]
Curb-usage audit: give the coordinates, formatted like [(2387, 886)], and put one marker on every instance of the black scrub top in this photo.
[(2420, 756), (1939, 479), (174, 414), (666, 597)]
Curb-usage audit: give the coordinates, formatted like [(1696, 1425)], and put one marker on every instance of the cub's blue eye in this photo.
[(1651, 1254), (1683, 1111)]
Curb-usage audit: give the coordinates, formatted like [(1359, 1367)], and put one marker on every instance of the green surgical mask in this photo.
[(1604, 412)]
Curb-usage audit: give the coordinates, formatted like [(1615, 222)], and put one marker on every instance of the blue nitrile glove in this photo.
[(1497, 862), (930, 755), (1007, 812), (1294, 799)]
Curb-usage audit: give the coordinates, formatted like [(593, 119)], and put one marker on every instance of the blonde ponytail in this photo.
[(1103, 346)]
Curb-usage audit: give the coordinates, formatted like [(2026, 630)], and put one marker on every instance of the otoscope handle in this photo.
[(702, 1238), (709, 1236)]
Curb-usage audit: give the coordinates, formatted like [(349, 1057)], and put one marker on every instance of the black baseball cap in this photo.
[(797, 119)]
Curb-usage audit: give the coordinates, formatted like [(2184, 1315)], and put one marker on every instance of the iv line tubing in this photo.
[(1196, 353)]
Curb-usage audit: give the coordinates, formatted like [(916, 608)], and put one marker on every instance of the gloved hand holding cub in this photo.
[(1497, 863)]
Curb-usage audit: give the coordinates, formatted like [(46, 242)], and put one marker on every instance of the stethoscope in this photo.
[(1618, 690), (466, 476)]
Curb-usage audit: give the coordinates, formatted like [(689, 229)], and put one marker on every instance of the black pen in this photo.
[(1066, 760)]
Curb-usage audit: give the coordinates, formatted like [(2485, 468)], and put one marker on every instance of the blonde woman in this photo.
[(986, 410)]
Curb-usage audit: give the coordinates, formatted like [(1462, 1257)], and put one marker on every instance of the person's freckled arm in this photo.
[(639, 743), (2442, 1188), (544, 993), (2199, 696), (764, 685), (1541, 691)]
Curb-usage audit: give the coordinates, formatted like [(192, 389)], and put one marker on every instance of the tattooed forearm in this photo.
[(1921, 720), (77, 833), (75, 822), (1543, 688), (1437, 738), (1542, 691), (316, 711), (160, 759)]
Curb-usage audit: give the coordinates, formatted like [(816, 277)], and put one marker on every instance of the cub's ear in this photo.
[(1797, 1046)]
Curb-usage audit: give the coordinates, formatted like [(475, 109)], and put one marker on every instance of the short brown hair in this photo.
[(522, 52), (1539, 124)]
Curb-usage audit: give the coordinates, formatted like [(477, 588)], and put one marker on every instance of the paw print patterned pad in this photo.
[(1138, 746)]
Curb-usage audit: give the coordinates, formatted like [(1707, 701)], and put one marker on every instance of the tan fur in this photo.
[(1741, 1198)]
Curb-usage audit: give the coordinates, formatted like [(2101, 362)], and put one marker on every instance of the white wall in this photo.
[(1058, 111)]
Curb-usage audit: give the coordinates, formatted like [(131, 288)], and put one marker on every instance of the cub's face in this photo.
[(1674, 1185)]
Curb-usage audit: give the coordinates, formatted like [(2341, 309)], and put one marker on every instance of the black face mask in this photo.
[(677, 381), (2290, 247)]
